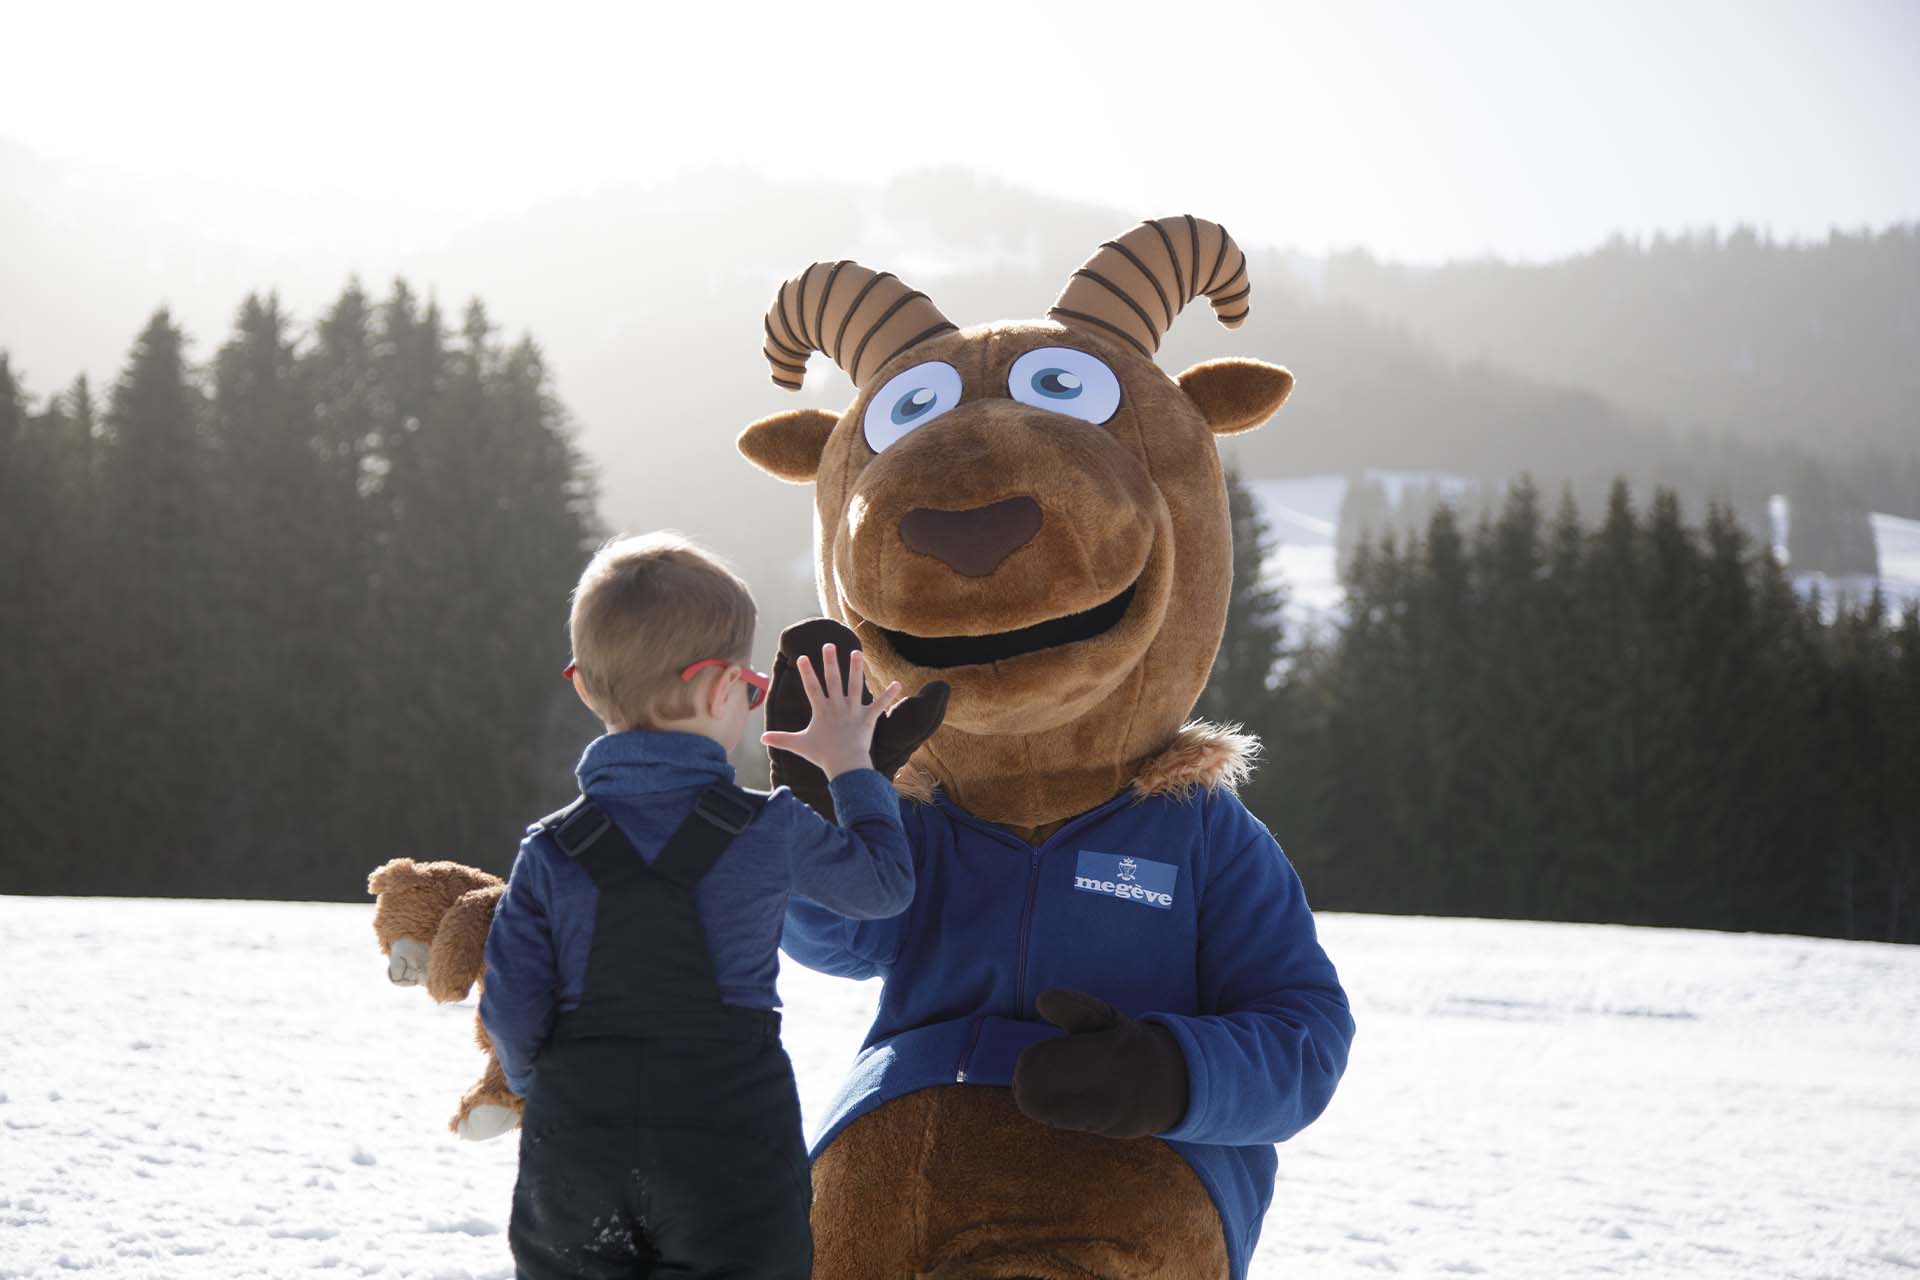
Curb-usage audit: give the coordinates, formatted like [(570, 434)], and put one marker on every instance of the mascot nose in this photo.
[(974, 541)]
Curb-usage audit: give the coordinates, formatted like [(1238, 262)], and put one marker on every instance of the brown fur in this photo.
[(411, 898), (1236, 395), (458, 955), (447, 908), (1040, 737), (788, 444), (1202, 756), (1205, 756), (955, 1182)]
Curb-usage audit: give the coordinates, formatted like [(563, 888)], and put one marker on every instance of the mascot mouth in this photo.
[(966, 651)]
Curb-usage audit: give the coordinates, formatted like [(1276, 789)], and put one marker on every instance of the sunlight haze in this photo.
[(1418, 136)]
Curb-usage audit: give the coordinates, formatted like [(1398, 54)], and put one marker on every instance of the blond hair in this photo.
[(646, 608)]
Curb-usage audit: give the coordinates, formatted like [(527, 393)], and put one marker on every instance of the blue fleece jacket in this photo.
[(1181, 912), (646, 782)]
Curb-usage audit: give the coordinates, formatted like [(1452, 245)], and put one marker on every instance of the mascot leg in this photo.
[(954, 1183)]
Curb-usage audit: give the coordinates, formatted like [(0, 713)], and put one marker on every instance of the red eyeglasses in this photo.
[(756, 681)]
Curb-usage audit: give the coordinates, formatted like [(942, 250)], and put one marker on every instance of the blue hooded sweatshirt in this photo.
[(1182, 912), (542, 931)]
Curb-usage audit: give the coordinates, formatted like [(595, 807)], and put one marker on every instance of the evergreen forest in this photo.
[(272, 619), (275, 616), (1634, 719)]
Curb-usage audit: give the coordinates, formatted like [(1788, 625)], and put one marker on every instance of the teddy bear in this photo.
[(431, 919)]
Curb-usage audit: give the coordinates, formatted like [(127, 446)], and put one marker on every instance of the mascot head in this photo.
[(1030, 510)]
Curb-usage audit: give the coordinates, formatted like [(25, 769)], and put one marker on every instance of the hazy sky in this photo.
[(1420, 132)]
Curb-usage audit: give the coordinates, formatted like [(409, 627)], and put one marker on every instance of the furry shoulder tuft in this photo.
[(1215, 757), (1210, 756), (915, 783)]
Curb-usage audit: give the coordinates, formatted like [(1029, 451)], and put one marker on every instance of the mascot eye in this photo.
[(1056, 384), (910, 399), (1065, 381)]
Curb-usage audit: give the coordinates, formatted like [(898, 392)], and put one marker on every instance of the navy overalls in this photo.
[(662, 1128)]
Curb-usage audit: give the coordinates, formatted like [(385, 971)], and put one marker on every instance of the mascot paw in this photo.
[(407, 963), (487, 1121)]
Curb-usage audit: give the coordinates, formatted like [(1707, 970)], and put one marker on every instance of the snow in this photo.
[(1303, 515), (234, 1089), (1898, 542), (1303, 518)]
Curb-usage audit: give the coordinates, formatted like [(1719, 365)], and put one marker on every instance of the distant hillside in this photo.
[(649, 301), (1768, 341)]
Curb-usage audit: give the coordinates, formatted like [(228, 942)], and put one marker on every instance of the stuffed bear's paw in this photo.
[(407, 963), (487, 1121)]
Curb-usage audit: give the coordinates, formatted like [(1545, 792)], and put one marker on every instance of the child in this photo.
[(629, 991)]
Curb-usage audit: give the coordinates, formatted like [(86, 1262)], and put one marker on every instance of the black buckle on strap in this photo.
[(725, 810), (580, 825)]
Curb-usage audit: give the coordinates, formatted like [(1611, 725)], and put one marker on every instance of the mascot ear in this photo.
[(788, 445), (1236, 395)]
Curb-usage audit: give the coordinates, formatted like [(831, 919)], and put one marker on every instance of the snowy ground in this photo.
[(226, 1089)]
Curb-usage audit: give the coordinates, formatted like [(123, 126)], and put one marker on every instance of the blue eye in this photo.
[(914, 404), (910, 400), (1056, 384), (1066, 381)]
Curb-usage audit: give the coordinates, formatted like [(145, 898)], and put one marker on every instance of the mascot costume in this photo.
[(1106, 1002)]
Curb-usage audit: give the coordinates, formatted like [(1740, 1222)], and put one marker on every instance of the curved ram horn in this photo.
[(858, 317), (1136, 285)]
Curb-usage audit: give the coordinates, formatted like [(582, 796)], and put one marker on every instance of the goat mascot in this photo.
[(1107, 1002)]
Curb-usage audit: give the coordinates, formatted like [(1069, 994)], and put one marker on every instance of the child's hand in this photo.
[(838, 736)]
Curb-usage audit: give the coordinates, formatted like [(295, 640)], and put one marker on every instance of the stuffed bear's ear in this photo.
[(788, 445), (393, 875), (1236, 395)]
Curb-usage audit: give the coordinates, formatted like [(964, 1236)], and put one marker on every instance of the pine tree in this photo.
[(1897, 771), (1572, 653), (1240, 688), (161, 643), (291, 596), (1365, 511), (22, 513), (1509, 726), (485, 514)]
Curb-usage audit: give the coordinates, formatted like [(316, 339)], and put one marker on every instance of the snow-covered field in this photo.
[(229, 1089)]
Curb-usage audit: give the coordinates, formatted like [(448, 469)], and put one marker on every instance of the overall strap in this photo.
[(649, 966), (720, 813)]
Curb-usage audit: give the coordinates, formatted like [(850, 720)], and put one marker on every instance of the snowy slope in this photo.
[(227, 1089)]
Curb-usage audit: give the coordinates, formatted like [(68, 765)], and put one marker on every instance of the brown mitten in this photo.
[(1111, 1074), (895, 739)]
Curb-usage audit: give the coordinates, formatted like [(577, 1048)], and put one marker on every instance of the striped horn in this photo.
[(1134, 286), (858, 317)]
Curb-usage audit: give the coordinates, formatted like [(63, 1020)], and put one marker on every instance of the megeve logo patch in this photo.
[(1130, 879)]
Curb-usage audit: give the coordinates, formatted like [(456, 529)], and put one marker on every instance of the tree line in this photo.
[(270, 620), (1827, 524), (1639, 722)]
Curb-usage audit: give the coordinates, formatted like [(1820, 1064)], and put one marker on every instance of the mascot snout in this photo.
[(974, 541)]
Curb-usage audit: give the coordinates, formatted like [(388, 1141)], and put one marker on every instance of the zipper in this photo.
[(1020, 969), (1026, 929), (960, 1075)]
